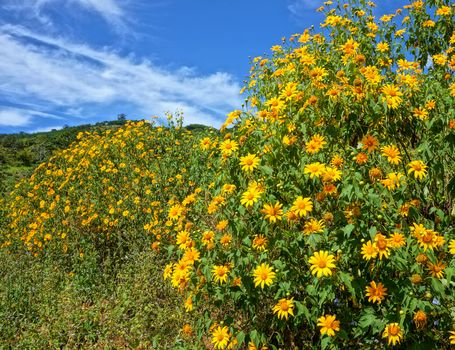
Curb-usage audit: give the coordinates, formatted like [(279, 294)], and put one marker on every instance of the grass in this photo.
[(45, 306)]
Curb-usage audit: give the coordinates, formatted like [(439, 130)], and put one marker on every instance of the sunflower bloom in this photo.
[(329, 325), (260, 242), (250, 197), (452, 337), (314, 169), (392, 95), (393, 333), (227, 147), (369, 251), (249, 162), (418, 168), (375, 292), (452, 247), (263, 275), (220, 337), (284, 308), (369, 143), (220, 273), (322, 263), (420, 319), (436, 270), (273, 212), (302, 206), (392, 153), (313, 226)]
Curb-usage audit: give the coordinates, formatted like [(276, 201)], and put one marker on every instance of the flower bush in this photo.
[(330, 222), (321, 217)]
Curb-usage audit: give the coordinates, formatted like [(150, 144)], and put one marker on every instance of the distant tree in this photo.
[(121, 117)]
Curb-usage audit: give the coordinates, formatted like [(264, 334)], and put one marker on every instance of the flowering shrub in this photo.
[(330, 222), (323, 218)]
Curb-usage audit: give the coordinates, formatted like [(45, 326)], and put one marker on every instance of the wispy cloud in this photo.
[(58, 74), (114, 12), (300, 7)]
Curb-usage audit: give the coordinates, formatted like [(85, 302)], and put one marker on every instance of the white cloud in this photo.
[(112, 11), (300, 7), (55, 72), (12, 117)]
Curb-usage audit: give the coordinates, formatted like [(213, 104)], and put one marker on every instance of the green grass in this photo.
[(43, 305)]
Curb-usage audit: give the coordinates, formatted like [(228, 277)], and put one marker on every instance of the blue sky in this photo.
[(70, 62)]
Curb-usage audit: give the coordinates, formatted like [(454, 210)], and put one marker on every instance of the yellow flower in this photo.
[(382, 245), (249, 162), (259, 242), (396, 240), (331, 174), (302, 206), (369, 250), (419, 169), (443, 11), (452, 337), (393, 333), (375, 292), (191, 256), (392, 95), (314, 169), (322, 263), (382, 47), (228, 146), (316, 143), (220, 337), (369, 143), (220, 273), (420, 319), (263, 275), (273, 212), (452, 246), (436, 270), (392, 153), (284, 308), (183, 239), (329, 325), (250, 197), (205, 143), (313, 226)]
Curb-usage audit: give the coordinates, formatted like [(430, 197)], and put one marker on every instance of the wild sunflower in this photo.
[(393, 333), (329, 325), (249, 162), (392, 153), (263, 275), (273, 212), (382, 245), (260, 242), (418, 168), (284, 308), (314, 169), (452, 246), (220, 273), (396, 240), (302, 206), (375, 292), (322, 263), (369, 143), (392, 95), (250, 197), (452, 337), (420, 319), (228, 146), (436, 270), (369, 250), (313, 226), (220, 337)]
